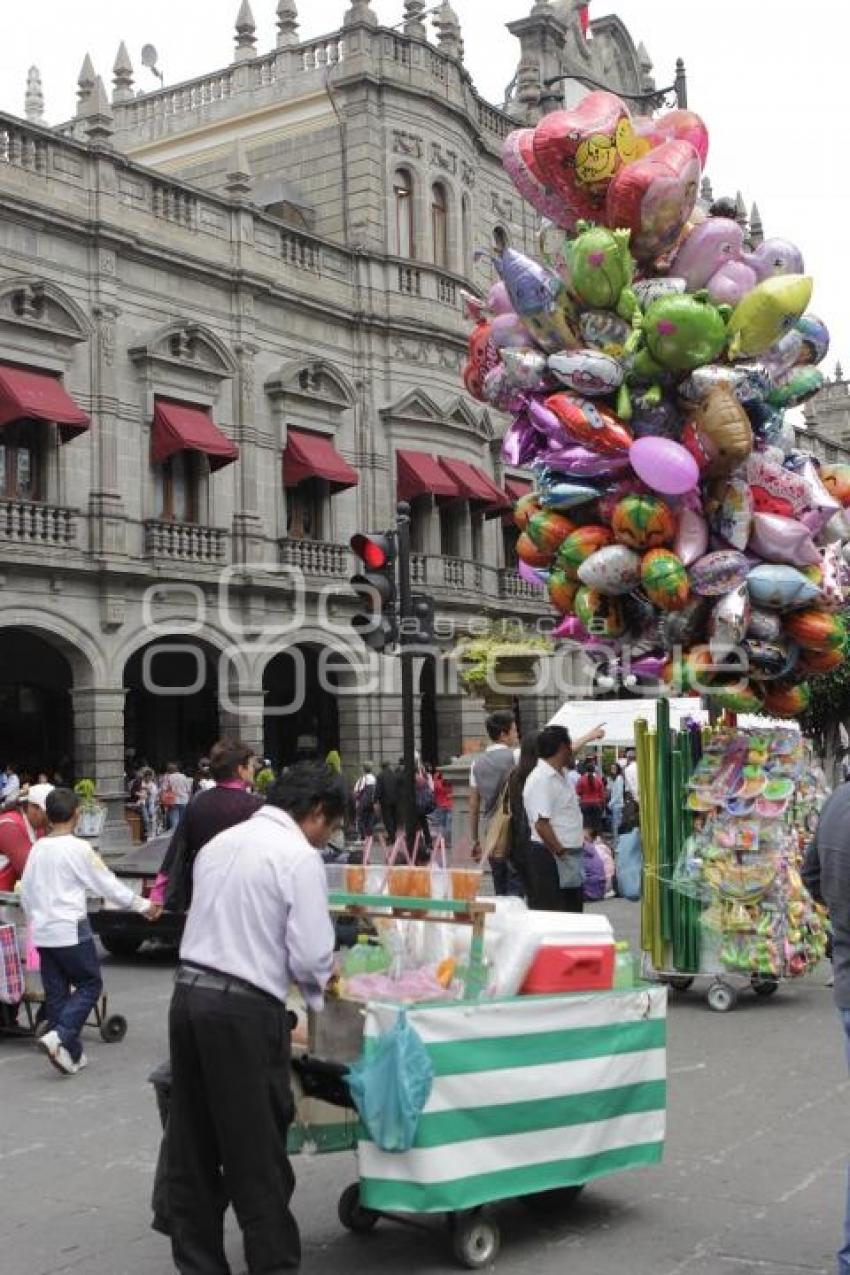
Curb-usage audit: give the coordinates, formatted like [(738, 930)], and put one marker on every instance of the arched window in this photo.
[(403, 201), (500, 239), (440, 225), (466, 234)]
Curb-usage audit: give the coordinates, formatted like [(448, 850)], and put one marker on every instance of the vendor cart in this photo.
[(112, 1027), (531, 1094)]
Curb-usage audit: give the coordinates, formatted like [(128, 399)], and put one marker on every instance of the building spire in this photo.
[(287, 23), (756, 227), (34, 97), (99, 124), (741, 212), (706, 193), (122, 76), (246, 33), (839, 373), (85, 83), (360, 11), (449, 36), (414, 13)]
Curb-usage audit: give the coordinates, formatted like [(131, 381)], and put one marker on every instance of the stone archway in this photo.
[(171, 709), (301, 710)]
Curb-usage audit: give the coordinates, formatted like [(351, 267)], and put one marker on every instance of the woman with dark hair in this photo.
[(520, 831)]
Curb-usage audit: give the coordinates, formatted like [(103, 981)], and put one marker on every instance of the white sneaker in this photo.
[(64, 1062), (50, 1043)]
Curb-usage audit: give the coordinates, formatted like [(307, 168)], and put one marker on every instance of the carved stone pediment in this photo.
[(39, 307), (316, 381), (415, 405), (189, 347)]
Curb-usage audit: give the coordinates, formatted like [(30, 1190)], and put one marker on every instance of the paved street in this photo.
[(753, 1180)]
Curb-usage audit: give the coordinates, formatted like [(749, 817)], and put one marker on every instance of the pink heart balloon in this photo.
[(578, 151), (518, 162), (675, 126), (654, 197)]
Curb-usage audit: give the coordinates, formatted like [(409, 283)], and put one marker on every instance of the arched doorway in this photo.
[(429, 737), (171, 710), (36, 711), (301, 710)]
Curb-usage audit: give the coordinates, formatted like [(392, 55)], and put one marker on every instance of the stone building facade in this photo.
[(250, 286)]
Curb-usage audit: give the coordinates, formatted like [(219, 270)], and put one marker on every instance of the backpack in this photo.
[(497, 836), (425, 801)]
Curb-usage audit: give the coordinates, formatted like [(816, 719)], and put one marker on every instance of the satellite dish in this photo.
[(150, 57)]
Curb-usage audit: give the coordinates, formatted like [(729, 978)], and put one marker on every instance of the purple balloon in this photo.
[(544, 421), (521, 444), (775, 256), (779, 539), (664, 465), (578, 462), (571, 627), (498, 301), (532, 576), (709, 246), (509, 332)]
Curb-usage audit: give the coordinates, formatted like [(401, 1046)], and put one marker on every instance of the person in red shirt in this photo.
[(19, 830), (592, 795), (444, 799)]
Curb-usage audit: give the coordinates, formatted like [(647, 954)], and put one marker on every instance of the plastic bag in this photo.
[(391, 1086), (630, 865)]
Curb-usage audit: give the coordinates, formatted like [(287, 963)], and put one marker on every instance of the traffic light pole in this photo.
[(407, 655)]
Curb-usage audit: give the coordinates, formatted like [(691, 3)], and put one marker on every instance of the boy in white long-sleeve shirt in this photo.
[(54, 889)]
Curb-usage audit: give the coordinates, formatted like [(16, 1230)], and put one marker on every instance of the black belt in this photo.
[(212, 981)]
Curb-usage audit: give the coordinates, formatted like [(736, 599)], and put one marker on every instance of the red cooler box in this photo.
[(576, 953)]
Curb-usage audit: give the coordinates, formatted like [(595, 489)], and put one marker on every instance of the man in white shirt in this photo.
[(630, 774), (258, 922), (557, 828), (174, 794), (61, 870)]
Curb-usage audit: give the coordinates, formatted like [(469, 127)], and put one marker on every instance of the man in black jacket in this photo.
[(826, 874), (387, 792)]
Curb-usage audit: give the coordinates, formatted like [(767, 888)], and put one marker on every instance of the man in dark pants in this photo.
[(387, 797), (826, 873), (258, 922), (488, 776)]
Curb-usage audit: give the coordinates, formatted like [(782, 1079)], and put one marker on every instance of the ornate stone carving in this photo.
[(39, 305), (407, 144), (503, 208), (447, 160), (467, 173), (429, 353), (107, 261), (191, 345)]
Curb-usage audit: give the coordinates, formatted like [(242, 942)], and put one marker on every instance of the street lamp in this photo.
[(653, 99)]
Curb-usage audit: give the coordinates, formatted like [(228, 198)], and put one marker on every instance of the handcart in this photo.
[(533, 1096), (112, 1027)]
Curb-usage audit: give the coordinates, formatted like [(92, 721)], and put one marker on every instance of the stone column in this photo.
[(243, 716), (99, 755)]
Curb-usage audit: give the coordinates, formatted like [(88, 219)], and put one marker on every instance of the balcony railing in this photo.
[(315, 557), (512, 585), (25, 522), (185, 542)]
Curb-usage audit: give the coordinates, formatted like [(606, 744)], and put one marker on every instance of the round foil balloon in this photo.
[(524, 509), (600, 614), (613, 569), (787, 701), (719, 572), (604, 331), (816, 663), (664, 465), (579, 546), (549, 530), (816, 630), (528, 552), (643, 522), (764, 625), (664, 580), (770, 660), (562, 591)]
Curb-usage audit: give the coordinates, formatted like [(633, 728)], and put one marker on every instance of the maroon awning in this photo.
[(474, 485), (517, 488), (38, 396), (183, 427), (419, 474), (314, 456)]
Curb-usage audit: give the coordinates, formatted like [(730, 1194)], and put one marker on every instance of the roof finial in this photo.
[(99, 122), (287, 23), (122, 76), (542, 9), (238, 180), (360, 11), (449, 36), (414, 12), (706, 193), (246, 33), (34, 97), (839, 373), (741, 211), (85, 83), (756, 227)]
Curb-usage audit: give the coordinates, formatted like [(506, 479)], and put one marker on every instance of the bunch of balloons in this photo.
[(648, 360)]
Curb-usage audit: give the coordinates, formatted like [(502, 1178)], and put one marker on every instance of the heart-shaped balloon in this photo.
[(679, 125), (654, 197), (483, 357), (519, 163), (578, 151)]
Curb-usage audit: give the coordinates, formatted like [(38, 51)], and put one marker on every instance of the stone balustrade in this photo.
[(316, 558), (27, 522), (185, 542), (512, 585)]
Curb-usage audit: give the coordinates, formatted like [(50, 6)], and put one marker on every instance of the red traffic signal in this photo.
[(376, 552)]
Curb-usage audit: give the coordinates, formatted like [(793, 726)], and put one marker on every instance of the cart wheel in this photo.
[(113, 1029), (764, 986), (721, 998), (680, 982), (560, 1198), (476, 1240), (352, 1214)]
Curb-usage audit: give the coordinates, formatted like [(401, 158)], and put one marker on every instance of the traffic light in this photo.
[(375, 586), (418, 628)]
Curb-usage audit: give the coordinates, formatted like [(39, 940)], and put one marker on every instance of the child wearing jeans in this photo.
[(60, 871)]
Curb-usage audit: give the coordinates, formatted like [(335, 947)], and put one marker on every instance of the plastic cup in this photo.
[(466, 883)]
